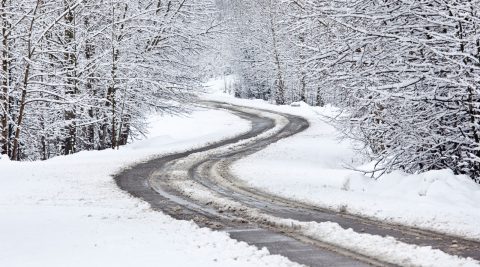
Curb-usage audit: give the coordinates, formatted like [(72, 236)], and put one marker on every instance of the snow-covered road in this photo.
[(68, 211), (196, 185)]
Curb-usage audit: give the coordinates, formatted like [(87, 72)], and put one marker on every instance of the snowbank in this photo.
[(310, 167), (68, 211)]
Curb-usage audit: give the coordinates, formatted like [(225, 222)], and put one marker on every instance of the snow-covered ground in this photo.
[(311, 167), (68, 211)]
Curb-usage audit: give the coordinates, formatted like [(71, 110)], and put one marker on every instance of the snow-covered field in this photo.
[(68, 211), (311, 167)]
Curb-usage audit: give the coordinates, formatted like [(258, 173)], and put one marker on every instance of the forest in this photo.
[(406, 74), (81, 75)]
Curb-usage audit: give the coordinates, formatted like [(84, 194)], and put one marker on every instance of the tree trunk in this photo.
[(279, 84), (26, 77), (4, 97), (21, 113), (112, 89), (303, 72), (72, 87), (319, 100)]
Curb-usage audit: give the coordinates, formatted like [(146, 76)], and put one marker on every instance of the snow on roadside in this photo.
[(310, 167), (386, 249), (68, 211)]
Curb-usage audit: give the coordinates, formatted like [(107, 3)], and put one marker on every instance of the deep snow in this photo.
[(68, 211), (312, 167)]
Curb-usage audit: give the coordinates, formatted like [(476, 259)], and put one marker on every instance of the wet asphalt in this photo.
[(137, 181)]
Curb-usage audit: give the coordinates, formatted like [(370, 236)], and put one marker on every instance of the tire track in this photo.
[(153, 182)]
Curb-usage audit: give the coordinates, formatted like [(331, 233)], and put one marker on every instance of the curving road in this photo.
[(197, 185)]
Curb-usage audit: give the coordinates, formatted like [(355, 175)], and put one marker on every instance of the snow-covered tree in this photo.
[(406, 72), (82, 74)]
